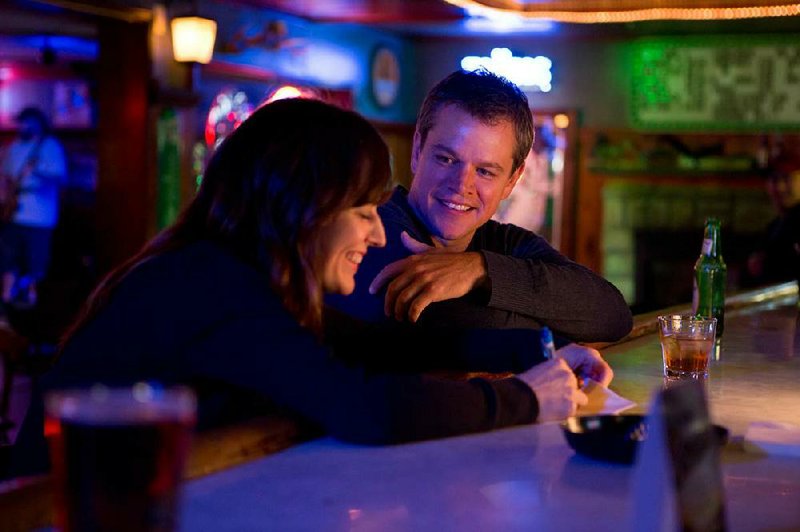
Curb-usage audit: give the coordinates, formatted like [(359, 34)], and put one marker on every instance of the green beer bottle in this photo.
[(710, 273)]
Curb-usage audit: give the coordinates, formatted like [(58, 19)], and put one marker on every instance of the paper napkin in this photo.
[(602, 400)]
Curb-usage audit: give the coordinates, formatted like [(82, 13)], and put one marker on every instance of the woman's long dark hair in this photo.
[(291, 167)]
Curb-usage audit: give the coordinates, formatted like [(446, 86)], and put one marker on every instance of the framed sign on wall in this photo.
[(385, 76), (716, 83)]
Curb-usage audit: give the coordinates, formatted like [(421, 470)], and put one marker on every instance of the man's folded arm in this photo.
[(566, 296), (393, 346)]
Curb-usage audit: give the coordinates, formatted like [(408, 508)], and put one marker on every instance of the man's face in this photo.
[(461, 174), (783, 190)]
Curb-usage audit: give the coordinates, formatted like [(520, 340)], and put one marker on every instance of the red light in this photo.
[(7, 73), (209, 136)]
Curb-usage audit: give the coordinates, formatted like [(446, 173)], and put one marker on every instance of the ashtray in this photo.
[(613, 438)]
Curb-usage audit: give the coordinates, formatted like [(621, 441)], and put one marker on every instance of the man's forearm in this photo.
[(569, 298)]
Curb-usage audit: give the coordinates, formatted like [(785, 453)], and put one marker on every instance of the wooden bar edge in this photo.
[(647, 323)]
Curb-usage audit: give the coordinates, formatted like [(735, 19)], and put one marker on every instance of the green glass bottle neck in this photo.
[(711, 241)]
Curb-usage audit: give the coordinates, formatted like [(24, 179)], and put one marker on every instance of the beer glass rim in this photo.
[(686, 324), (142, 402), (685, 317)]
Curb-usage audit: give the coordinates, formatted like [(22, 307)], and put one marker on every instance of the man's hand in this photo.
[(556, 389), (430, 275), (587, 363)]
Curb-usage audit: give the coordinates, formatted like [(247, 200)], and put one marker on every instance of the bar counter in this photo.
[(754, 374), (266, 475), (528, 478)]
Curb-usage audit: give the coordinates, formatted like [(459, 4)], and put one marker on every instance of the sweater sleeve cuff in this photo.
[(514, 402)]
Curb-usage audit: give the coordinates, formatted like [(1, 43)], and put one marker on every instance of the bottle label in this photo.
[(707, 243)]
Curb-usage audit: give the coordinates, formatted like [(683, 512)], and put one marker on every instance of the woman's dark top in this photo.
[(200, 316)]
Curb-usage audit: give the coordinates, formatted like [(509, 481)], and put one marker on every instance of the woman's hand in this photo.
[(556, 389), (587, 363)]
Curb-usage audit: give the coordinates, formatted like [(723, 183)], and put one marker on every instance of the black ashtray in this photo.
[(613, 438)]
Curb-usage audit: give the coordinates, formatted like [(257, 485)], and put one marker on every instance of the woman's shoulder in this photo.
[(201, 272), (199, 258)]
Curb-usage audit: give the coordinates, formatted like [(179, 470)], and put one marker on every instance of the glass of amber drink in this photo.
[(686, 343)]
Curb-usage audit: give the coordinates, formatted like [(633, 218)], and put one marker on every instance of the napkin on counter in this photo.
[(602, 400), (781, 439)]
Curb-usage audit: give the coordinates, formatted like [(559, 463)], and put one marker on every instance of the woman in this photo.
[(229, 299)]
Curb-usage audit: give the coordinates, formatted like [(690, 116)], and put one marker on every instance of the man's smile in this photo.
[(461, 207)]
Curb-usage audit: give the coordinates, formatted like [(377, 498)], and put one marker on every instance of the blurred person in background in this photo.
[(777, 259), (229, 301), (32, 170)]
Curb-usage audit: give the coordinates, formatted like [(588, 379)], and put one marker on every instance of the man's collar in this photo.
[(420, 231), (400, 196)]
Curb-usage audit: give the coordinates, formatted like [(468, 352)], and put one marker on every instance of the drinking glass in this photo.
[(118, 455), (687, 342)]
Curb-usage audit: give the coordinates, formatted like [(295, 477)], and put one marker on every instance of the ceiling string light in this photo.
[(478, 8)]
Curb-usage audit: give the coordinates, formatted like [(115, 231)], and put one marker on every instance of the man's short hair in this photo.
[(487, 97), (783, 166)]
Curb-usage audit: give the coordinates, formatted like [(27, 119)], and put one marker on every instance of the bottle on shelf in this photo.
[(710, 275)]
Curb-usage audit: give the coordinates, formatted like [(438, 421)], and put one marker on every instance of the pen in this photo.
[(549, 351), (548, 347)]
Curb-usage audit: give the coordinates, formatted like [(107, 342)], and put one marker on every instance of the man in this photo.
[(446, 262), (33, 167), (777, 258)]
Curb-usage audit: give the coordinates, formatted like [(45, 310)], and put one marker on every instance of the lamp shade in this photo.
[(193, 39)]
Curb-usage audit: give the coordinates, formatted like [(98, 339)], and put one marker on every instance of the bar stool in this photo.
[(13, 351)]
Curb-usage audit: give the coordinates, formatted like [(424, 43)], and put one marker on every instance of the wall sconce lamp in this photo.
[(193, 39)]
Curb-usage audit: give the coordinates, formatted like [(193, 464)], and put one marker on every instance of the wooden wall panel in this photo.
[(125, 187)]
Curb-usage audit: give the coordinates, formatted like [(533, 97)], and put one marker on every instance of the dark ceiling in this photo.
[(365, 11), (437, 18), (418, 18)]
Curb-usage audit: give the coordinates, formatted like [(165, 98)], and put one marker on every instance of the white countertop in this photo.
[(524, 478)]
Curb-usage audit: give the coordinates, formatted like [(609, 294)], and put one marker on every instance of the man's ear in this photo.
[(415, 149), (513, 180)]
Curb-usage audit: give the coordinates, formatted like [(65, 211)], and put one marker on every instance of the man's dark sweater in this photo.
[(530, 284)]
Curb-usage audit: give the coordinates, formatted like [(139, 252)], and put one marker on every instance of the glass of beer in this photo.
[(687, 342), (118, 455)]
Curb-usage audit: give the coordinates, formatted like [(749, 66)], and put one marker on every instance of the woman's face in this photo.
[(342, 244)]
